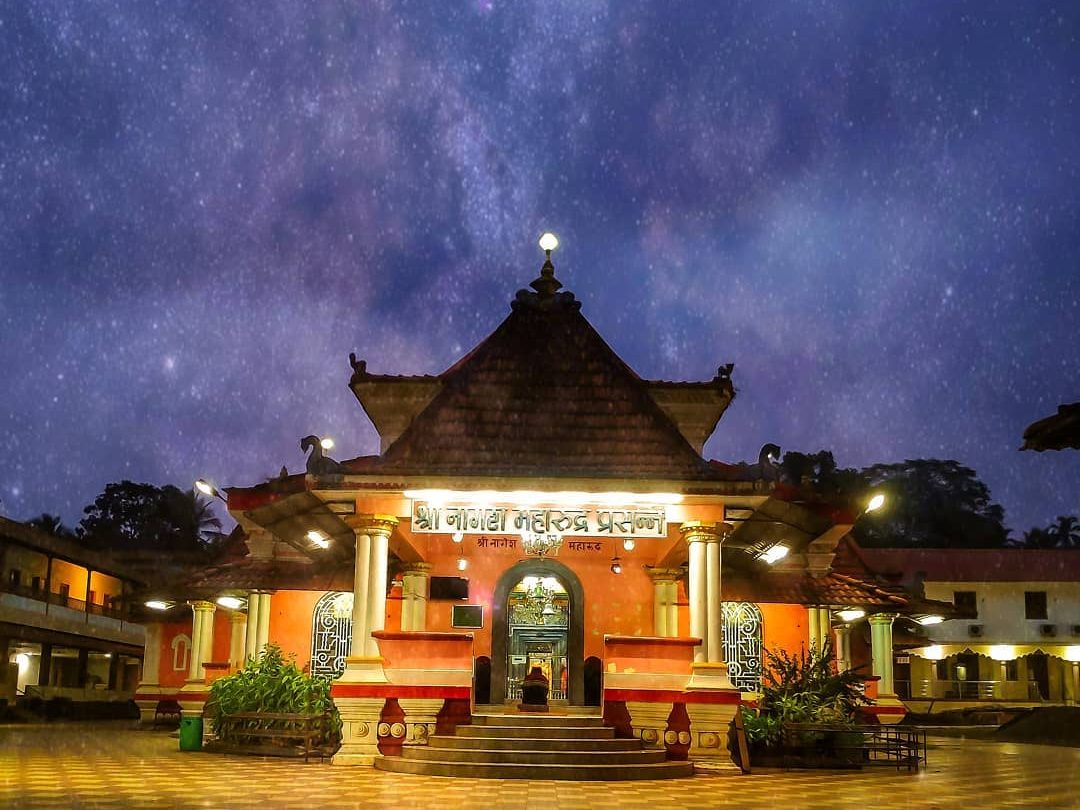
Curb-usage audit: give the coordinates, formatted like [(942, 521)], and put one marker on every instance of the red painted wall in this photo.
[(167, 676)]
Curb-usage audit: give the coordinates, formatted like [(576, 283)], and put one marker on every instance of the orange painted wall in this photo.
[(290, 622), (786, 627), (222, 634), (74, 576), (167, 676), (620, 604)]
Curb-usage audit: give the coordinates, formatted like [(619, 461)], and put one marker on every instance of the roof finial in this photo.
[(547, 285)]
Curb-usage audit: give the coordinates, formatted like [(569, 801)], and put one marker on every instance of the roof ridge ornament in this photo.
[(546, 285)]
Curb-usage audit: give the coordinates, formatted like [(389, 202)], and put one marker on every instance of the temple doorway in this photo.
[(537, 621)]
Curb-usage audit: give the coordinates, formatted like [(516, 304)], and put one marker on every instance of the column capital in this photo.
[(372, 525), (663, 574), (238, 617), (881, 618), (417, 568), (203, 605), (699, 531)]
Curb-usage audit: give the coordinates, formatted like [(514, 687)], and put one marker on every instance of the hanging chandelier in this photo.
[(541, 545)]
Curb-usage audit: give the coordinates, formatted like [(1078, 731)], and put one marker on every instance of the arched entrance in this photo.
[(575, 627)]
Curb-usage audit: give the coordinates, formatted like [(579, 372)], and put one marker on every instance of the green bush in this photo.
[(802, 688), (272, 683)]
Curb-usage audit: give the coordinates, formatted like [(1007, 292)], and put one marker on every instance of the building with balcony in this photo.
[(1019, 642), (65, 619)]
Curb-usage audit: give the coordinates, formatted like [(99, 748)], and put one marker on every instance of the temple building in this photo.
[(536, 505)]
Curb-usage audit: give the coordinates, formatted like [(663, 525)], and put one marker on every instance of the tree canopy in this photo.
[(129, 516)]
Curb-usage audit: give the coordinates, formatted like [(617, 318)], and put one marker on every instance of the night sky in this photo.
[(871, 208)]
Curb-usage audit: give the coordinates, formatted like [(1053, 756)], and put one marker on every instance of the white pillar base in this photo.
[(649, 721), (709, 724), (421, 715), (147, 706), (363, 669), (359, 730)]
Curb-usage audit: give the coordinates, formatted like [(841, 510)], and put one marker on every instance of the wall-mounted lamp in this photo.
[(462, 564), (209, 490), (616, 565), (629, 543), (851, 614), (318, 538), (158, 604), (230, 602)]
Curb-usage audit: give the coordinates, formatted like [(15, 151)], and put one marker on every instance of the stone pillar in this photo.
[(237, 652), (843, 648), (376, 618), (819, 621), (882, 650), (251, 632), (202, 639), (715, 620), (360, 589), (151, 663), (1074, 681), (263, 630), (665, 602), (45, 668), (421, 715), (649, 722), (414, 593), (695, 539)]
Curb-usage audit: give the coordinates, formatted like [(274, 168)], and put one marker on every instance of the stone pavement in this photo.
[(114, 765)]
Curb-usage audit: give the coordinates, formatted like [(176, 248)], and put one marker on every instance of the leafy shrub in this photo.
[(802, 688), (272, 683)]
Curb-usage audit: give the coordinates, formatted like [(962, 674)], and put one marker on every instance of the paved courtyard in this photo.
[(115, 765)]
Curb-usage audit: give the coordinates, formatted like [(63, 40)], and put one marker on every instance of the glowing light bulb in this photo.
[(876, 503), (629, 544), (327, 443), (205, 487), (458, 537), (548, 242), (462, 564)]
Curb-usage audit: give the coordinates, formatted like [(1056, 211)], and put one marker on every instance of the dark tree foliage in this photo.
[(129, 517), (52, 524), (931, 503), (819, 472), (1064, 532)]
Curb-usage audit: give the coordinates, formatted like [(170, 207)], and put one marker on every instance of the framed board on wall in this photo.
[(467, 617)]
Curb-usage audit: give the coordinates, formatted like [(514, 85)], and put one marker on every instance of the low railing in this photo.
[(63, 600), (968, 690)]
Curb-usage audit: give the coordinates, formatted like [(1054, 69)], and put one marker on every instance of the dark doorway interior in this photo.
[(482, 680), (594, 680), (1039, 672)]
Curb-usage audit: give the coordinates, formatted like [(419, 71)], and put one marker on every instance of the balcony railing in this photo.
[(969, 690), (70, 602)]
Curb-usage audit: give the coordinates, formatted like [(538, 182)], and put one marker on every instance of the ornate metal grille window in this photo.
[(742, 644), (331, 633)]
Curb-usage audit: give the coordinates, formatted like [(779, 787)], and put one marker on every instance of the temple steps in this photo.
[(535, 747)]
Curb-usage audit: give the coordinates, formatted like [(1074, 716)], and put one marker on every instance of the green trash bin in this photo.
[(191, 733)]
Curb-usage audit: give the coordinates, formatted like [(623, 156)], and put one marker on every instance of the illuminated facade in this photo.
[(538, 504)]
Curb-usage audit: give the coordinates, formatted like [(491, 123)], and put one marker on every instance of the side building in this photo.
[(65, 619)]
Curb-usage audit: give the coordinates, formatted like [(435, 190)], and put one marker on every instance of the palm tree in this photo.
[(1065, 531), (51, 524)]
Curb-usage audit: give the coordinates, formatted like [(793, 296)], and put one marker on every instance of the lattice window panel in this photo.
[(742, 644), (331, 633)]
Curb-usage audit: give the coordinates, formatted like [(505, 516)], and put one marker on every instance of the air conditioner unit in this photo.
[(1047, 630), (1075, 629), (975, 630)]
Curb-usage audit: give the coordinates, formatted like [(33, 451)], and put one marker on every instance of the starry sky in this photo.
[(872, 209)]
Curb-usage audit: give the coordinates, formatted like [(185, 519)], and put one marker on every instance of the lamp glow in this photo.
[(206, 488), (318, 538), (928, 620), (875, 503), (230, 602), (1072, 653), (1002, 652), (457, 537), (628, 544), (157, 604), (616, 565), (462, 564), (327, 443), (548, 242), (935, 652), (775, 553), (851, 614)]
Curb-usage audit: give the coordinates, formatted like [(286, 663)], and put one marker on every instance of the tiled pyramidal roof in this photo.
[(544, 394)]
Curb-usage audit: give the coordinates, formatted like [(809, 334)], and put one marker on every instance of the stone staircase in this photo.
[(522, 746)]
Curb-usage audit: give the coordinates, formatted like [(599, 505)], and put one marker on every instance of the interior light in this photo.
[(1002, 652), (462, 564), (327, 443), (548, 242), (935, 652), (851, 614), (206, 488), (157, 604), (318, 538), (932, 619), (230, 602), (458, 537), (629, 544), (876, 503), (775, 553), (1072, 653), (616, 566)]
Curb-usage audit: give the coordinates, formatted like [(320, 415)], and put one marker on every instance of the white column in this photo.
[(376, 590), (843, 648), (698, 595), (414, 593), (714, 622), (237, 654), (360, 594), (264, 623), (202, 638), (882, 651), (665, 607), (251, 633), (151, 663), (819, 621)]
